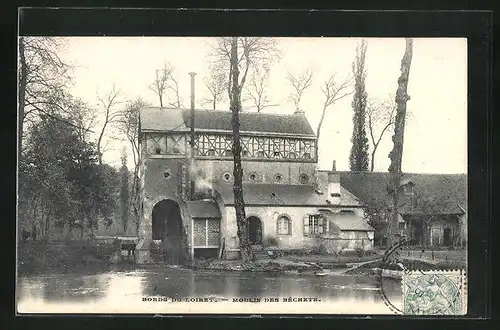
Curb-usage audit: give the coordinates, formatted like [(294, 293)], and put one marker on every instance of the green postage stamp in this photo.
[(435, 292)]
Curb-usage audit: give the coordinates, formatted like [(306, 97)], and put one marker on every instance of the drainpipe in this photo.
[(192, 74)]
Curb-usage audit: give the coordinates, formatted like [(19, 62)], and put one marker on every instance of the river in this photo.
[(150, 290)]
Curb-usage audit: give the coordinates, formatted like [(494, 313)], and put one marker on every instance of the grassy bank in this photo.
[(39, 257)]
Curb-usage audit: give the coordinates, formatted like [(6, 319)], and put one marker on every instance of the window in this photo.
[(347, 211), (304, 179), (284, 225), (408, 188), (166, 175), (315, 225), (226, 176), (156, 144), (252, 177), (278, 178)]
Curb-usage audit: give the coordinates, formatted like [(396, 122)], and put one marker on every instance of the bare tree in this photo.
[(111, 114), (396, 154), (238, 55), (253, 52), (173, 86), (256, 92), (129, 127), (160, 83), (216, 85), (333, 92), (379, 120), (299, 83)]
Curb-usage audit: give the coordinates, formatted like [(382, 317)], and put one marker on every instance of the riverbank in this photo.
[(316, 264), (41, 257)]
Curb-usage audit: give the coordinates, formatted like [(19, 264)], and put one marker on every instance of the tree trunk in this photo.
[(239, 203), (372, 161), (22, 96), (396, 155), (99, 142)]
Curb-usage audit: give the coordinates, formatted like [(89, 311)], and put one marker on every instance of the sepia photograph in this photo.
[(242, 175)]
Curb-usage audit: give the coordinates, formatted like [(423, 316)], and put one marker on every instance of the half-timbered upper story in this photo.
[(166, 132), (277, 149)]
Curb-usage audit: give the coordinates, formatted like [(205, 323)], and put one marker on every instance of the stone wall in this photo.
[(268, 216)]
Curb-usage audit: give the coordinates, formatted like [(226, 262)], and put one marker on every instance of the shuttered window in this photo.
[(314, 224)]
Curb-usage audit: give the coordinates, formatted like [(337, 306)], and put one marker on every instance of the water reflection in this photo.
[(123, 289)]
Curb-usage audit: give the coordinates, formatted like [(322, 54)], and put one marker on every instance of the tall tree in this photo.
[(358, 158), (239, 55), (380, 120), (235, 105), (111, 116), (396, 154), (42, 80), (129, 127), (124, 190), (299, 84)]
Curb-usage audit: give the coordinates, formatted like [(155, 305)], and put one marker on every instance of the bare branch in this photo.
[(254, 53), (380, 119), (256, 92), (111, 114), (160, 82), (299, 84), (333, 92)]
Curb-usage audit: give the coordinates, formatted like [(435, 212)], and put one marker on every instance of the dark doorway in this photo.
[(255, 230), (447, 237), (167, 227)]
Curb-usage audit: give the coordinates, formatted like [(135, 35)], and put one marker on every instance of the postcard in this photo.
[(248, 175)]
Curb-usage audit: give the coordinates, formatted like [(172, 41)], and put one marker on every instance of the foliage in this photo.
[(60, 180), (358, 158)]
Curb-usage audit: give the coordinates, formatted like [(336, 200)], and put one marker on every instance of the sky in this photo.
[(435, 133)]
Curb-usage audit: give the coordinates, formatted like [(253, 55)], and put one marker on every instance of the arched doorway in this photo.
[(167, 227), (255, 230)]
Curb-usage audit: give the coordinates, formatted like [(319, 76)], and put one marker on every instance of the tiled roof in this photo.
[(432, 193), (166, 119), (348, 221), (203, 209), (277, 194)]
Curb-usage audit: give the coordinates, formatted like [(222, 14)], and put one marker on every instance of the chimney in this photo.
[(192, 74), (333, 188), (334, 166)]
